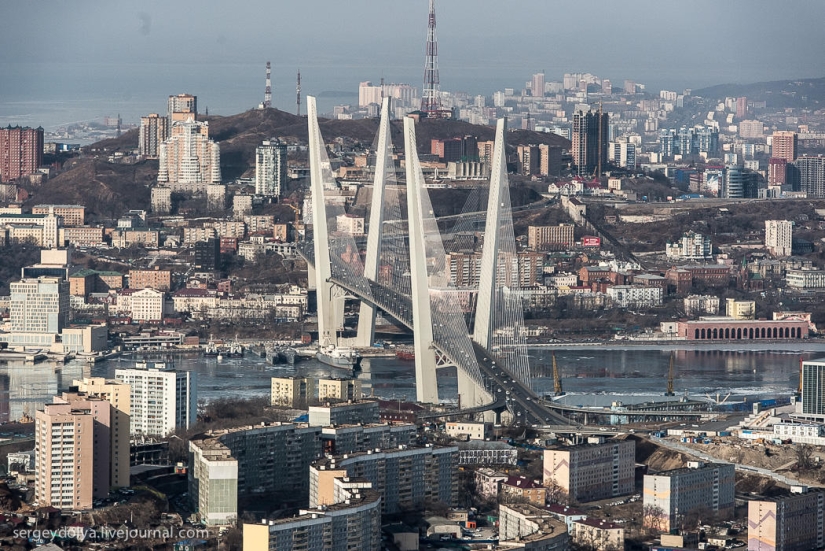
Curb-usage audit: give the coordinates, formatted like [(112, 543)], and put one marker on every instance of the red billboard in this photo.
[(591, 241)]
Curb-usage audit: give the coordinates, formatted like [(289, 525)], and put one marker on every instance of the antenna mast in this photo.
[(430, 101), (298, 93), (268, 89)]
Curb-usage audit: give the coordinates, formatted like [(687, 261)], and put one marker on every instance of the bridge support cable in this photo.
[(499, 320), (438, 316), (335, 253)]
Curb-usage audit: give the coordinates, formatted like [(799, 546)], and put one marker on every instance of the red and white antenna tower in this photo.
[(268, 90), (430, 102)]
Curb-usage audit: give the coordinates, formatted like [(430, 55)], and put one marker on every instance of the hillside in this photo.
[(778, 94), (239, 135), (107, 190)]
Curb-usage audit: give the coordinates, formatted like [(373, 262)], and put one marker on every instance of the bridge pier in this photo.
[(426, 384)]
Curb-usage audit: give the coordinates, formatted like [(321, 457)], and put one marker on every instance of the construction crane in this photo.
[(557, 389), (670, 378)]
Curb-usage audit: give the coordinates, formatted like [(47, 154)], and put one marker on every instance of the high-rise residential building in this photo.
[(182, 107), (64, 444), (162, 400), (623, 153), (21, 152), (784, 145), (189, 160), (154, 130), (810, 173), (590, 142), (292, 391), (39, 305), (530, 159), (544, 237), (678, 493), (741, 108), (813, 387), (739, 183), (270, 168), (271, 459), (549, 160), (589, 472), (792, 523), (537, 85), (699, 140), (777, 172), (404, 476), (354, 523), (208, 254), (118, 395), (779, 237)]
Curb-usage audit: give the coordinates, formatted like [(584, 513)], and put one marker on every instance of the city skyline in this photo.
[(105, 50)]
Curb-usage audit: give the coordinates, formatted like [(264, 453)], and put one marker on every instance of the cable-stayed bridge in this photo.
[(405, 273)]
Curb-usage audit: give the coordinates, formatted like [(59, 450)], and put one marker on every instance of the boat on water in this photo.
[(211, 349), (339, 356), (235, 351), (286, 355)]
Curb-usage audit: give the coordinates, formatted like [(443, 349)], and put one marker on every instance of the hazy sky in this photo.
[(701, 41)]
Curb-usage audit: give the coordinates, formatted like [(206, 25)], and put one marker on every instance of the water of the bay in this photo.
[(586, 371)]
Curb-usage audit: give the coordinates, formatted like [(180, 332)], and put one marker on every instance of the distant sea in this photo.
[(53, 95)]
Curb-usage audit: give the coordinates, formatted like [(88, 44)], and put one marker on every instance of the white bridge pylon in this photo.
[(383, 161), (327, 318), (426, 384)]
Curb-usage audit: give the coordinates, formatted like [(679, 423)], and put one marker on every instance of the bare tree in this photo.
[(653, 518), (804, 457)]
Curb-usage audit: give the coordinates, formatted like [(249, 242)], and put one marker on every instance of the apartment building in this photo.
[(270, 168), (64, 437), (273, 459), (158, 279), (154, 129), (359, 438), (73, 215), (405, 477), (339, 389), (779, 237), (352, 524), (162, 400), (365, 411), (700, 486), (792, 523), (547, 237), (118, 395), (147, 305), (294, 392), (588, 472), (522, 489), (598, 534), (534, 528)]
